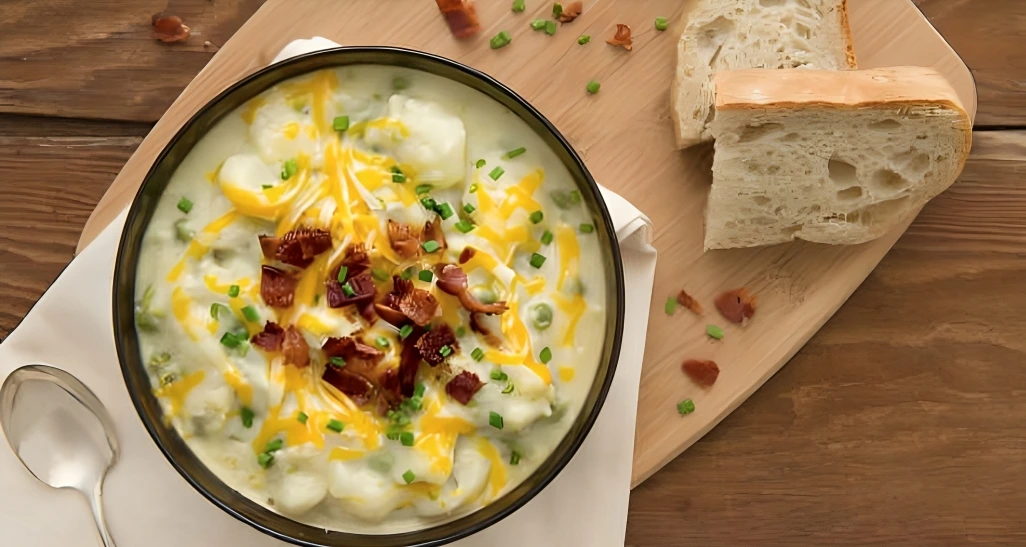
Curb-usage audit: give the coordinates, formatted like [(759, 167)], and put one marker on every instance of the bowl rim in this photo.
[(130, 360)]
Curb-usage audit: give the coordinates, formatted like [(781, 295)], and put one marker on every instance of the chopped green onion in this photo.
[(216, 308), (340, 123), (538, 24), (515, 152), (496, 173), (233, 291), (408, 476), (514, 458), (564, 199), (541, 315), (464, 226), (537, 217), (519, 6), (419, 389), (267, 186), (461, 331), (397, 175), (557, 10), (444, 351), (445, 211), (289, 168), (477, 354), (593, 87), (184, 205), (406, 438), (575, 197), (473, 188), (393, 434), (428, 203), (265, 460), (687, 406), (407, 274), (508, 389), (479, 163), (337, 362), (671, 306), (400, 83), (405, 332), (347, 290), (302, 417), (342, 274), (546, 237), (537, 260), (714, 332), (468, 208), (182, 231), (495, 419), (425, 275), (251, 314), (587, 228), (550, 27), (500, 40), (336, 425), (430, 246), (584, 39), (379, 275), (274, 445), (422, 189), (381, 342), (247, 417), (545, 356), (661, 23), (230, 340), (499, 375)]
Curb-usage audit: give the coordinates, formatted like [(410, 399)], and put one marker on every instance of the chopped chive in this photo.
[(265, 460), (430, 246), (233, 291), (519, 6), (445, 211), (461, 331), (342, 274), (464, 226), (425, 275), (337, 362), (381, 342), (267, 186), (477, 354), (473, 188), (538, 24), (247, 417), (671, 306), (537, 260), (545, 356), (428, 203), (500, 40), (230, 340), (546, 237), (379, 275), (445, 351), (422, 189), (593, 87), (557, 10), (587, 228), (714, 332), (340, 123), (408, 476), (251, 314), (336, 425), (274, 445), (347, 290), (496, 173), (400, 83), (468, 208), (289, 168), (393, 434), (398, 176), (508, 389), (661, 23), (550, 27), (406, 438), (407, 274), (499, 375), (184, 205), (302, 417), (419, 389), (405, 332), (575, 197), (495, 419), (584, 39), (687, 406), (537, 217), (479, 163), (217, 308), (514, 458), (515, 152)]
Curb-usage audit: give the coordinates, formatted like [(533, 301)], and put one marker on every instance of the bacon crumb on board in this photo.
[(703, 373), (169, 28), (622, 37), (461, 16), (687, 301), (737, 305), (571, 11)]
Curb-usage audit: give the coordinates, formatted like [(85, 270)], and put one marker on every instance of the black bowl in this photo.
[(138, 382)]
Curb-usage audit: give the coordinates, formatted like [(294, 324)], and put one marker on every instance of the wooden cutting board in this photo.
[(625, 137)]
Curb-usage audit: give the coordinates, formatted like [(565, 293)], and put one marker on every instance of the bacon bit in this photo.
[(409, 362), (277, 287), (473, 305), (391, 389), (269, 246), (477, 325), (294, 348), (298, 247), (417, 304), (686, 300), (703, 373), (169, 28), (390, 315), (463, 386), (433, 232), (571, 11), (350, 348), (431, 343), (355, 260), (453, 280), (461, 16), (622, 37), (467, 254), (737, 305), (404, 241), (362, 285), (356, 387), (270, 338)]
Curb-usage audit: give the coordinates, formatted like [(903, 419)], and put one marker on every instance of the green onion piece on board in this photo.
[(661, 23), (593, 87), (584, 39), (550, 27), (687, 406), (538, 24), (500, 40), (714, 332), (557, 10), (519, 6), (671, 306)]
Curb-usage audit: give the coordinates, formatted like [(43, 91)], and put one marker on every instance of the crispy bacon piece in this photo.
[(461, 16), (687, 301), (391, 390), (703, 373), (467, 254), (433, 232), (269, 246), (389, 314), (453, 280), (622, 37), (431, 343), (737, 305), (355, 386), (477, 325), (404, 241), (294, 348), (362, 286), (350, 348), (571, 11), (355, 260), (277, 287), (409, 362), (418, 305), (473, 305), (169, 28), (298, 247), (463, 386), (270, 338)]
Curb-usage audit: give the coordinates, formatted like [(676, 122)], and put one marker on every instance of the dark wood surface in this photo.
[(902, 422)]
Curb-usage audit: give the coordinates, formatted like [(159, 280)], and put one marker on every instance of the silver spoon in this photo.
[(61, 433)]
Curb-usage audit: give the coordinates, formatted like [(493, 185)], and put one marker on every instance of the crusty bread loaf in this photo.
[(829, 156), (738, 34)]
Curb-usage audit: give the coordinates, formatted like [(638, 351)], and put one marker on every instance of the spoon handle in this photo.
[(96, 504)]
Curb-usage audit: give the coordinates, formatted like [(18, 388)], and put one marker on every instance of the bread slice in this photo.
[(737, 34), (827, 156)]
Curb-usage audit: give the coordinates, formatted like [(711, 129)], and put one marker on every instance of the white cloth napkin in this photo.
[(148, 504)]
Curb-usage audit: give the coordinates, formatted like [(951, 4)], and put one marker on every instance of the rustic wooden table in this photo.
[(900, 423)]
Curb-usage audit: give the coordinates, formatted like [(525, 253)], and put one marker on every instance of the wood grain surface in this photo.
[(900, 423)]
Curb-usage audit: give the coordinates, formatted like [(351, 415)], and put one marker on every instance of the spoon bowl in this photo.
[(60, 432)]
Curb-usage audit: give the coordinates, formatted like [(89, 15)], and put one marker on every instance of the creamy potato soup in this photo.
[(371, 299)]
